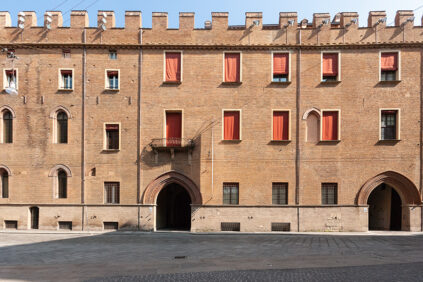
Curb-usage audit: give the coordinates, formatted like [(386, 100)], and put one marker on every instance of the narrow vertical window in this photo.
[(388, 125), (62, 128), (4, 183), (11, 79), (329, 193), (389, 66), (173, 129), (113, 55), (112, 136), (173, 67), (280, 193), (330, 126), (7, 127), (62, 179), (66, 79), (330, 67), (66, 53), (232, 67), (280, 125), (280, 67), (111, 192), (230, 193), (231, 129), (113, 80)]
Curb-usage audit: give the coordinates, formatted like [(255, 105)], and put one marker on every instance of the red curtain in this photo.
[(330, 64), (280, 125), (173, 129), (10, 72), (389, 61), (330, 126), (173, 66), (112, 73), (232, 67), (112, 126), (280, 63), (231, 126), (63, 72)]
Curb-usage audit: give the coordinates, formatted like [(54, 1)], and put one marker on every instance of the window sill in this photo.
[(172, 82), (232, 82), (65, 89), (231, 140), (280, 82), (281, 141), (110, 150), (329, 142), (112, 89), (330, 82), (388, 141)]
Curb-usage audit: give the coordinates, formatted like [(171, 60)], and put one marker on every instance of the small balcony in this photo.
[(172, 144)]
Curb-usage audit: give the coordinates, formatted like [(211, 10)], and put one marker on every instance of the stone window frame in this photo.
[(5, 77), (2, 110), (321, 124), (165, 111), (53, 116), (289, 129), (9, 174), (55, 179), (223, 124), (338, 78), (105, 136), (289, 52), (106, 80), (60, 81), (164, 64), (398, 124), (240, 66), (398, 74), (336, 195)]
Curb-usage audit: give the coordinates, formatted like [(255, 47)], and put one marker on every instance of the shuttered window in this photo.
[(330, 66), (111, 192), (230, 193), (329, 193), (280, 193), (280, 67), (389, 66)]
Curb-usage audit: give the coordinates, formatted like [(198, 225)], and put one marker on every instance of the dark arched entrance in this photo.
[(385, 208), (173, 208)]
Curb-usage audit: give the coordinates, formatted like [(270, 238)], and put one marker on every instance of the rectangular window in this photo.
[(111, 192), (230, 193), (231, 128), (280, 125), (389, 66), (4, 184), (389, 125), (113, 55), (173, 66), (233, 67), (65, 225), (329, 193), (11, 79), (66, 81), (330, 67), (112, 80), (280, 193), (112, 137), (173, 129), (330, 125), (280, 67), (66, 53)]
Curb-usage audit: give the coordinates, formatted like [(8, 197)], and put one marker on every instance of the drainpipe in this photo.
[(297, 134), (139, 128), (84, 62), (421, 140), (212, 180)]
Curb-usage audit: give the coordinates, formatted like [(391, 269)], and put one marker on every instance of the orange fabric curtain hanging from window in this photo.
[(280, 63), (330, 64), (330, 126), (173, 129), (280, 125), (64, 72), (232, 67), (173, 66), (389, 61), (112, 73), (231, 125), (112, 126)]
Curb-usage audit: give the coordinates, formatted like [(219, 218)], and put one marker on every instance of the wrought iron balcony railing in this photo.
[(172, 143)]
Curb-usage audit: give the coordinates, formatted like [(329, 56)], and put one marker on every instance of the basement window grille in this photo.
[(65, 225), (230, 226), (11, 224), (281, 226), (110, 225)]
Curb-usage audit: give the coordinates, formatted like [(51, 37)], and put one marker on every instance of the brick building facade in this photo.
[(291, 126)]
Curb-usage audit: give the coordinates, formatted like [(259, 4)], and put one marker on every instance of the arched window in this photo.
[(4, 183), (313, 127), (7, 127), (62, 127), (62, 178)]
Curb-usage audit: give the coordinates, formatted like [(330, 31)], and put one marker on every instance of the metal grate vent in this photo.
[(230, 226), (281, 226), (65, 225), (111, 225), (11, 224)]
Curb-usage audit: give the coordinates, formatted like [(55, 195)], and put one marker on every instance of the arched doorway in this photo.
[(173, 211), (385, 208)]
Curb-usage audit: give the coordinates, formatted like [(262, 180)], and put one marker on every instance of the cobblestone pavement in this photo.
[(213, 257)]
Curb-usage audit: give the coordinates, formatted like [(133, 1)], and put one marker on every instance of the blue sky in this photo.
[(202, 9)]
